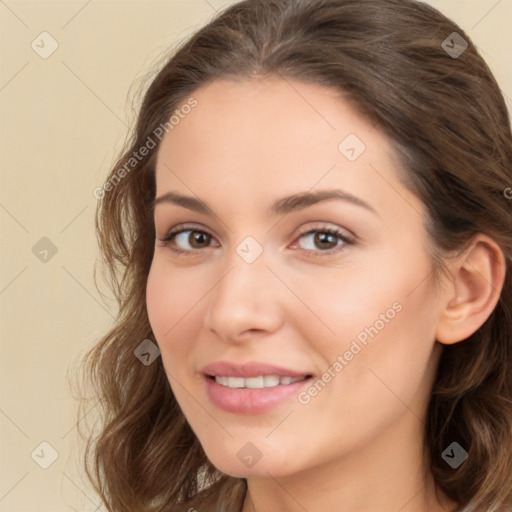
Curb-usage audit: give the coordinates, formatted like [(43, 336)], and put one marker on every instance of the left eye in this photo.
[(323, 240)]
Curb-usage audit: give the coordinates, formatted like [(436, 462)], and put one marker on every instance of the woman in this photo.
[(310, 242)]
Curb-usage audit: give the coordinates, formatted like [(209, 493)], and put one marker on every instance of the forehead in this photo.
[(271, 112), (255, 137)]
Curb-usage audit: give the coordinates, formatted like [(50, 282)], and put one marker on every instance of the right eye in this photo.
[(185, 239)]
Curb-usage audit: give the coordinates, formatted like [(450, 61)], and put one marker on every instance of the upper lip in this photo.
[(249, 369)]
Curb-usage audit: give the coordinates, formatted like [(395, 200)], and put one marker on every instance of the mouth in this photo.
[(251, 388)]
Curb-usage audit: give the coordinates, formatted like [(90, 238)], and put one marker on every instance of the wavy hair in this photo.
[(447, 119)]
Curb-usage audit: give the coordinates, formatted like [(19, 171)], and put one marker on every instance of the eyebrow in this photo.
[(282, 206)]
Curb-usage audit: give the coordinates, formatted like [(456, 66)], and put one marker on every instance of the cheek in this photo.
[(381, 315), (390, 342), (341, 304), (172, 299)]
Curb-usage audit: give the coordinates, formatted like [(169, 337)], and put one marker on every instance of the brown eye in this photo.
[(187, 240), (199, 239), (324, 241)]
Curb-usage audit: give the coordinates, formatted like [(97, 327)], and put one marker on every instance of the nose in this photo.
[(245, 302)]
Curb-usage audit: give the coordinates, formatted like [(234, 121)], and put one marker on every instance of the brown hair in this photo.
[(448, 121)]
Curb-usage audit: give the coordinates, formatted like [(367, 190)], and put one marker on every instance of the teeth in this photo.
[(234, 382), (254, 382), (222, 380), (267, 381)]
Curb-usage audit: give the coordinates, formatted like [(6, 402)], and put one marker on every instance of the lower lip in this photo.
[(251, 401)]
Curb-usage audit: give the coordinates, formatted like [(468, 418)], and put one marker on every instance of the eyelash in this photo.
[(331, 231)]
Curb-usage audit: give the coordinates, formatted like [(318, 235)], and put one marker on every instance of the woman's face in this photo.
[(279, 278)]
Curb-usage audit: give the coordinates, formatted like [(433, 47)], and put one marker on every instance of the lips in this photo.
[(251, 388)]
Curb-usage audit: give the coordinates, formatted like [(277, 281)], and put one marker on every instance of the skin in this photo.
[(357, 445)]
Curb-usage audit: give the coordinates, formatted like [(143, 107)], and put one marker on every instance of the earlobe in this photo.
[(472, 294)]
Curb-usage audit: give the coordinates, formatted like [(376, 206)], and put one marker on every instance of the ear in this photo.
[(471, 296)]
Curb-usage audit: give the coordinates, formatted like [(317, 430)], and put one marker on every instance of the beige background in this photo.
[(62, 121)]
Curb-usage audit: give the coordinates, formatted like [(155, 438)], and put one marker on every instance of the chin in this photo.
[(241, 466)]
